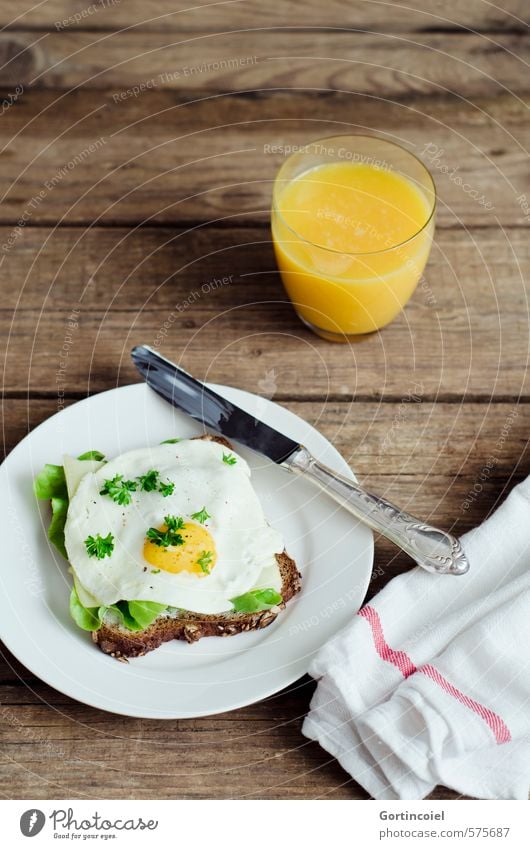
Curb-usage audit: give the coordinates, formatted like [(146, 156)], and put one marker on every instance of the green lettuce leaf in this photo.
[(92, 455), (88, 618), (56, 526), (121, 608), (256, 600), (145, 612), (134, 615), (50, 483)]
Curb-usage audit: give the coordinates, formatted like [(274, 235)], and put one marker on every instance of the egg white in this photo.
[(246, 545)]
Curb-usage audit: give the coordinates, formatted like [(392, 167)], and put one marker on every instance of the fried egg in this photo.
[(192, 536)]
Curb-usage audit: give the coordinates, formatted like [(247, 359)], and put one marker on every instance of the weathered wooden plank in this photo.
[(84, 158), (181, 16), (260, 757), (259, 752), (160, 268), (212, 300), (44, 112), (386, 65)]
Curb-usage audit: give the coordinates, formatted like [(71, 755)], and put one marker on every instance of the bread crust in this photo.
[(121, 643)]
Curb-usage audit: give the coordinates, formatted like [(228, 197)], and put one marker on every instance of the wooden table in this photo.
[(137, 154)]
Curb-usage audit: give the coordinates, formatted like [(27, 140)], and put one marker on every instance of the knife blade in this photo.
[(207, 407), (433, 549)]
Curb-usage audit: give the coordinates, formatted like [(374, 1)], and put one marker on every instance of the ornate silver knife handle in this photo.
[(431, 548)]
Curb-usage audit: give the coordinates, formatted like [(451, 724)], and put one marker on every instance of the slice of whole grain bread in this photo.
[(116, 640)]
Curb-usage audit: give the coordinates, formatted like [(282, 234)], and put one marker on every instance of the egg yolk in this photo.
[(196, 554)]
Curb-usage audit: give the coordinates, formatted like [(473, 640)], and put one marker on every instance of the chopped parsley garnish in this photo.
[(99, 546), (174, 523), (118, 489), (229, 459), (201, 515), (170, 536), (166, 488), (155, 571), (204, 561), (149, 482), (170, 441)]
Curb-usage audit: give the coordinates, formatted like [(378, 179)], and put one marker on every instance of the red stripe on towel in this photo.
[(402, 661), (497, 725), (398, 658)]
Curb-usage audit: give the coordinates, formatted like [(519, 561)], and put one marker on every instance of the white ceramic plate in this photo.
[(333, 552)]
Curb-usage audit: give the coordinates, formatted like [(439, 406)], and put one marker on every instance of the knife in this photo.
[(433, 549)]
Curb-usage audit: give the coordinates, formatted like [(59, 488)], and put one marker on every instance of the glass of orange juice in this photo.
[(352, 227)]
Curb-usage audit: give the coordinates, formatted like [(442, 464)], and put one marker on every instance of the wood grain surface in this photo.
[(226, 15), (138, 145), (393, 65), (78, 158)]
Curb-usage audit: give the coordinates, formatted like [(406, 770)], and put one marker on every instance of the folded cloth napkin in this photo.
[(430, 683)]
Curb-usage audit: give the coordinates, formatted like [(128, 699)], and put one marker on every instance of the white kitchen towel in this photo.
[(430, 683)]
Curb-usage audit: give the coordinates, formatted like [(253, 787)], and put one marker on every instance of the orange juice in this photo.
[(351, 242)]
